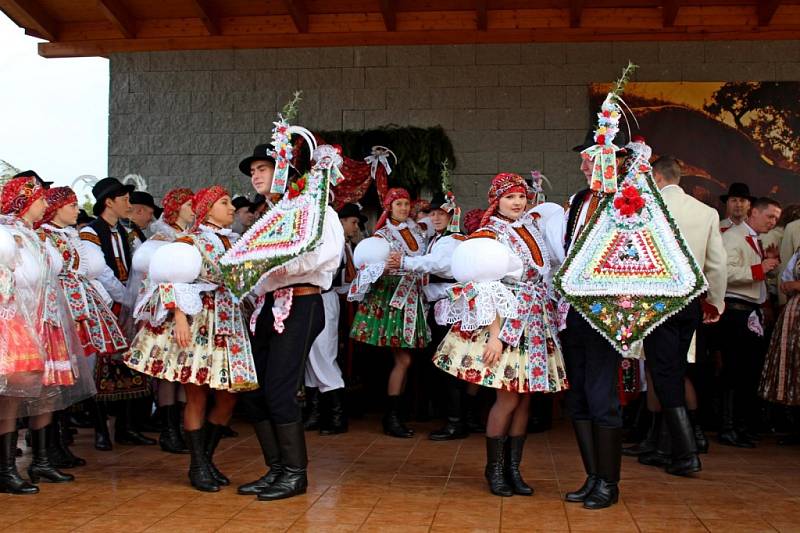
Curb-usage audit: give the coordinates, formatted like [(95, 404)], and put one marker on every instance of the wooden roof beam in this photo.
[(299, 13), (389, 12), (39, 23), (481, 14), (669, 12), (766, 10), (119, 16), (206, 14), (575, 11)]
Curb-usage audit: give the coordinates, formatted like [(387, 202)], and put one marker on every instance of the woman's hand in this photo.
[(790, 287), (182, 333), (395, 261), (492, 351)]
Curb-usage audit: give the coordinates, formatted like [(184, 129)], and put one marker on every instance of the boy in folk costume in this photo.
[(116, 383), (195, 333)]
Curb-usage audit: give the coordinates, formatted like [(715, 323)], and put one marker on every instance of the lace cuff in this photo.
[(160, 299), (365, 277), (476, 304)]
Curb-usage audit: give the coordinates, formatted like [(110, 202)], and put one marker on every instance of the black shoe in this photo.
[(700, 439), (229, 433), (605, 493), (684, 460), (584, 434), (40, 467), (392, 424), (10, 480), (132, 438), (272, 457), (511, 462), (213, 436), (293, 479), (454, 429), (171, 438), (102, 439), (58, 450), (648, 444), (335, 421), (495, 452), (662, 454), (199, 474), (731, 438), (312, 416), (792, 439)]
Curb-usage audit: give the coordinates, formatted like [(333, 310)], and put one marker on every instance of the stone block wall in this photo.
[(188, 117)]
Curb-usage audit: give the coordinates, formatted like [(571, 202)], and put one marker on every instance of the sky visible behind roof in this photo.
[(53, 112)]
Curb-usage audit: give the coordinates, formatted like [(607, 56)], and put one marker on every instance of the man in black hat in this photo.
[(244, 216), (116, 382), (737, 205), (280, 356), (143, 212)]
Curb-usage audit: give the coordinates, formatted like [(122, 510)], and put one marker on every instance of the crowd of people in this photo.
[(128, 311)]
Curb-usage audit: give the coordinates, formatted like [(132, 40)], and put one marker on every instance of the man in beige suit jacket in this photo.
[(741, 327)]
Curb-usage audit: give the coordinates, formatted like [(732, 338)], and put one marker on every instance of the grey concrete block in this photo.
[(637, 52), (228, 166), (320, 78), (597, 52), (658, 72), (137, 124), (118, 165), (256, 59), (128, 103), (170, 102), (352, 119), (119, 83), (520, 119), (128, 144), (432, 76), (543, 141), (327, 118), (129, 62), (343, 56), (519, 162), (542, 96), (478, 163), (192, 60), (171, 144), (251, 101), (517, 75), (456, 54), (475, 119), (543, 53), (338, 98), (497, 54), (566, 118), (454, 98), (582, 73), (729, 72), (405, 56), (788, 72), (210, 144), (234, 81), (384, 77), (232, 122), (216, 101), (427, 118), (353, 78), (476, 76), (370, 56), (367, 99), (480, 141), (193, 122), (576, 96), (375, 118), (416, 98), (558, 165), (242, 144), (276, 79), (751, 51), (156, 82), (498, 97), (680, 52), (299, 58)]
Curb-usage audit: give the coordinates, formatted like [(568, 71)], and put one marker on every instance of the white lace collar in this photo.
[(69, 230)]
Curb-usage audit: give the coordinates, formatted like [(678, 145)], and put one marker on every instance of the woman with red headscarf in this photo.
[(391, 312), (194, 333), (504, 333)]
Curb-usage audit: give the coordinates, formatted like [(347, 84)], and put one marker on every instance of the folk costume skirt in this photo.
[(780, 377)]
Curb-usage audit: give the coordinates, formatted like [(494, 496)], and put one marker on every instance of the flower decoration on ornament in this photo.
[(630, 202), (282, 149)]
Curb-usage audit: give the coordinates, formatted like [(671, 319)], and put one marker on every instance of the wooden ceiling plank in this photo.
[(299, 13), (206, 14), (116, 12), (39, 23), (389, 13), (669, 12), (766, 10), (482, 15), (575, 11)]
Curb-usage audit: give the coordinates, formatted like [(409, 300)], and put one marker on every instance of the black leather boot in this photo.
[(102, 439), (584, 434), (213, 436), (10, 480), (605, 492), (472, 417), (511, 462), (392, 423), (313, 416), (199, 473), (727, 435), (293, 479), (40, 467), (662, 455), (455, 428), (495, 452), (171, 439), (58, 450), (700, 439), (648, 444), (684, 451), (265, 433), (123, 430), (335, 420)]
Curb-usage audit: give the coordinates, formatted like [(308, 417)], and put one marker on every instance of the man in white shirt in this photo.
[(737, 205)]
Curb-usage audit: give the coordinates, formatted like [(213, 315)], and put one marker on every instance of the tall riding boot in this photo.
[(313, 415), (10, 480), (584, 434), (171, 439), (727, 433), (123, 430), (662, 455), (511, 461), (392, 423), (648, 444), (57, 448), (700, 438), (213, 436), (495, 452), (684, 450), (335, 421), (293, 479), (199, 473), (40, 467), (102, 440), (265, 433), (609, 458), (472, 415), (455, 428)]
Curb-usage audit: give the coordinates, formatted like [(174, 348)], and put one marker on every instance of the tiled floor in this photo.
[(364, 481)]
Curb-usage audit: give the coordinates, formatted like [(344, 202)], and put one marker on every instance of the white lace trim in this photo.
[(188, 298), (365, 277), (491, 298)]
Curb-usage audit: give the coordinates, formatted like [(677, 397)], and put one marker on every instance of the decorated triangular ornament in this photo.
[(631, 269)]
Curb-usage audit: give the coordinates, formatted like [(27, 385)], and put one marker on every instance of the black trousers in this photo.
[(665, 350), (593, 373), (453, 388), (280, 359)]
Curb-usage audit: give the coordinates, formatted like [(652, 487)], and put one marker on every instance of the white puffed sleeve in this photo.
[(8, 248)]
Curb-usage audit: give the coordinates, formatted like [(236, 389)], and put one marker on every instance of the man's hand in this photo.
[(769, 264), (772, 252)]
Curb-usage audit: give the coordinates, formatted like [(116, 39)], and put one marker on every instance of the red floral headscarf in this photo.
[(503, 184), (19, 194), (57, 197), (173, 201), (418, 206), (395, 193), (472, 220), (202, 202)]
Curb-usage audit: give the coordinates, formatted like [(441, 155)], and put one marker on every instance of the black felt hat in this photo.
[(240, 202), (351, 210), (438, 200), (738, 190), (260, 153), (33, 174), (108, 188)]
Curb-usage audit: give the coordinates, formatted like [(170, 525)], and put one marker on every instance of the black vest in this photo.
[(572, 219), (103, 230)]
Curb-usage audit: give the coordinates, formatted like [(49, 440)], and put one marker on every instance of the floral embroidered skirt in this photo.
[(520, 369), (223, 362), (378, 323), (100, 333), (780, 378)]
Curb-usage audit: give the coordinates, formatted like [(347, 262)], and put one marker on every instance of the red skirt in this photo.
[(19, 352), (57, 365)]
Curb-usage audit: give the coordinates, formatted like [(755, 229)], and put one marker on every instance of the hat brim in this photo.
[(724, 197), (99, 202), (244, 165)]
